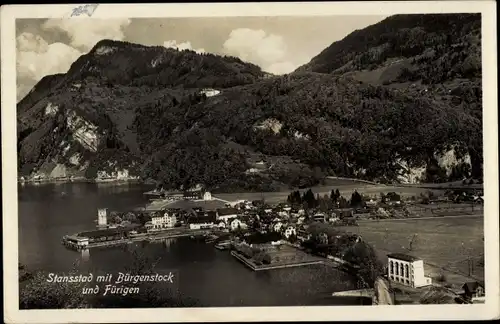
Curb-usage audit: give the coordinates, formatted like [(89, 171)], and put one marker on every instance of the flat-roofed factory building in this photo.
[(407, 270)]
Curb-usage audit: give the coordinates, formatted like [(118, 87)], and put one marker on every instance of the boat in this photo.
[(224, 245), (211, 238), (199, 237)]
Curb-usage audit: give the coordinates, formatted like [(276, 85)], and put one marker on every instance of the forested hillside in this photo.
[(397, 101)]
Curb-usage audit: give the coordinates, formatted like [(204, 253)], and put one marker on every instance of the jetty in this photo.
[(120, 236)]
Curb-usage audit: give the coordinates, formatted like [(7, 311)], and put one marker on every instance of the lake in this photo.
[(209, 277)]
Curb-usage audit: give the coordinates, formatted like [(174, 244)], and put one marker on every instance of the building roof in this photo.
[(103, 232), (472, 286), (227, 211), (343, 210), (402, 256), (189, 204), (203, 217)]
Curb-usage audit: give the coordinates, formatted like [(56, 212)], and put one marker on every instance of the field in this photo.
[(441, 242), (346, 188)]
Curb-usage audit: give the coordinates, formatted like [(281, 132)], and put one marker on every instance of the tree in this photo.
[(309, 199), (334, 195), (356, 199), (342, 202), (364, 256), (325, 203), (412, 242)]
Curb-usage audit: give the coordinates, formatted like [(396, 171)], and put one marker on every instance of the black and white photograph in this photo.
[(174, 157)]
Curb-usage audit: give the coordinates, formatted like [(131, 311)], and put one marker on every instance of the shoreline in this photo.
[(32, 182), (361, 182)]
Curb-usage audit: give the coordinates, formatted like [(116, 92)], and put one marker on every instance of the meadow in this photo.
[(345, 186), (441, 242)]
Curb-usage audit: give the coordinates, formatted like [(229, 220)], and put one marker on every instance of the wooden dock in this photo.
[(150, 237)]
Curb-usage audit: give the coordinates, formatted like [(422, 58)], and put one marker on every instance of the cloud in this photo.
[(182, 46), (36, 58), (85, 32), (281, 68), (269, 51)]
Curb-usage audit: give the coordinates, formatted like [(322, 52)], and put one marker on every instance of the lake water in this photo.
[(209, 277)]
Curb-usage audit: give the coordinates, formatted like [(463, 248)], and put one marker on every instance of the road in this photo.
[(382, 295), (418, 218)]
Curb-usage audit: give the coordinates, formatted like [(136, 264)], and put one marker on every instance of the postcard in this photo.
[(224, 162)]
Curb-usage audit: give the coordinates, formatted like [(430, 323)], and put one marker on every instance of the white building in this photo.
[(203, 220), (102, 217), (226, 214), (283, 213), (207, 196), (319, 217), (333, 219), (277, 226), (167, 220), (289, 231), (407, 270), (236, 223), (210, 92)]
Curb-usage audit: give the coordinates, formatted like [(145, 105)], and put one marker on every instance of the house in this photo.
[(344, 212), (289, 231), (276, 227), (302, 234), (323, 238), (479, 199), (165, 220), (268, 210), (210, 92), (202, 220), (226, 214), (333, 220), (319, 217), (282, 213), (392, 198), (473, 290), (237, 224), (221, 224), (407, 270)]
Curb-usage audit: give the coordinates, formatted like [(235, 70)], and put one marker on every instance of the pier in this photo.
[(114, 237)]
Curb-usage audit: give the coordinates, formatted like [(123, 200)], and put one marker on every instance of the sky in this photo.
[(277, 44)]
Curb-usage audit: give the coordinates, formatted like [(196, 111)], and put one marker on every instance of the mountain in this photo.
[(432, 48), (75, 118), (387, 103)]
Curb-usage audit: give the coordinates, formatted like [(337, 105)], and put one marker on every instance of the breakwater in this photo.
[(255, 267)]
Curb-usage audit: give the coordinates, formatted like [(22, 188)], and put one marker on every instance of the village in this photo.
[(306, 229)]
